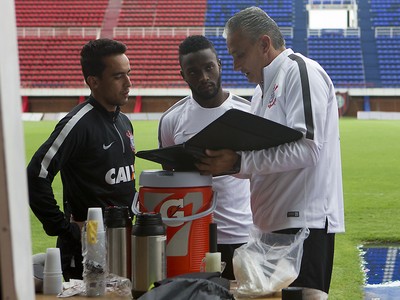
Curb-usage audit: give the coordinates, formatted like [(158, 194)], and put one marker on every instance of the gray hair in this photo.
[(255, 22)]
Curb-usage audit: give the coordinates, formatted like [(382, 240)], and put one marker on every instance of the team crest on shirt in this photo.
[(132, 142), (272, 99)]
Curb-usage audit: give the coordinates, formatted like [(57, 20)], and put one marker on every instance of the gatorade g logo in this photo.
[(171, 209), (175, 204)]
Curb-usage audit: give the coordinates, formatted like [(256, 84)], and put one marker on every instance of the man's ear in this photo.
[(265, 43), (183, 76), (92, 82)]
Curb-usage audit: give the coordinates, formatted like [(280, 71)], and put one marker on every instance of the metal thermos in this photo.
[(118, 234), (148, 252)]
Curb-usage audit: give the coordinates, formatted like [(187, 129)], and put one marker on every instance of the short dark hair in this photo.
[(195, 43), (94, 51)]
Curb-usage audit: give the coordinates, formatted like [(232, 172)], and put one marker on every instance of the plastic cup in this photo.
[(52, 284), (96, 214), (207, 260), (52, 273), (52, 263)]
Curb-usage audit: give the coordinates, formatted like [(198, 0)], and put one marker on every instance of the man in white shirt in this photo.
[(201, 69), (297, 184)]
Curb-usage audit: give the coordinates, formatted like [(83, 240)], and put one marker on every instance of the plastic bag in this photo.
[(94, 259), (116, 287), (268, 262)]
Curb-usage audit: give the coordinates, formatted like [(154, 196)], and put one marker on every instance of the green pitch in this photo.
[(371, 177)]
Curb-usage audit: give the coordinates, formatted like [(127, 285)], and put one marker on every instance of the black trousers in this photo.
[(317, 262)]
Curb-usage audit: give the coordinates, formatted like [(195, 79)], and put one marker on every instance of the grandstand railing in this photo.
[(128, 31), (157, 31), (178, 31), (340, 31), (332, 2), (58, 31), (387, 31)]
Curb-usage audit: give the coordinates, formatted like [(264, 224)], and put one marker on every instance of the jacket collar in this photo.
[(108, 114), (270, 71)]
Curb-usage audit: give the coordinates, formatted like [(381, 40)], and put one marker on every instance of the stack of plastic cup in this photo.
[(94, 254), (52, 273)]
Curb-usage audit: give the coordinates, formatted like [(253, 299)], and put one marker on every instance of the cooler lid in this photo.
[(166, 179)]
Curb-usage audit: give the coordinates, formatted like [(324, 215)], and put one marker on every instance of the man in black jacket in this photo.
[(93, 149)]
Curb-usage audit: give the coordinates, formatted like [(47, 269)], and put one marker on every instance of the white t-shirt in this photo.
[(297, 184), (179, 123)]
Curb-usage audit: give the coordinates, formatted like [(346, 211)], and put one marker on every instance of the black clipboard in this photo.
[(235, 129)]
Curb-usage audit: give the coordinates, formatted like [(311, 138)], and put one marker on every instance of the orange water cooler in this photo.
[(186, 202)]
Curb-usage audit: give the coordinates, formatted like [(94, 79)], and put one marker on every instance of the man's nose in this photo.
[(128, 81), (236, 65), (204, 76)]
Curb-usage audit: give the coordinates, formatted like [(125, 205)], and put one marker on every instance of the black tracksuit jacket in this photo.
[(94, 151)]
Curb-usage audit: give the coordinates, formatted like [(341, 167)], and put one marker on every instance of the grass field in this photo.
[(371, 176)]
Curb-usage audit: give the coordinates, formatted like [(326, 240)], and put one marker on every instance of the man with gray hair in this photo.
[(297, 184)]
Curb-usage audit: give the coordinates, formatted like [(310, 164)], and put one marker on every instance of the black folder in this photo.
[(235, 129)]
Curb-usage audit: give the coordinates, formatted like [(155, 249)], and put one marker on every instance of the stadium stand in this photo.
[(152, 50), (51, 32), (339, 54), (218, 12), (385, 13), (389, 59), (162, 13), (51, 61), (154, 61), (50, 13), (345, 65)]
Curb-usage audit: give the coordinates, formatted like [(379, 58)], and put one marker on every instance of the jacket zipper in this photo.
[(122, 141)]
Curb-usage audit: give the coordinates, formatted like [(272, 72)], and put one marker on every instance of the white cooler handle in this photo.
[(181, 219)]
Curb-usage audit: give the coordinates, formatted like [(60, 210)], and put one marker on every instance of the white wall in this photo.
[(330, 18), (15, 239)]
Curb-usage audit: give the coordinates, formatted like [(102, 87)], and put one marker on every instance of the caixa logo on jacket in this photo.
[(121, 174)]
